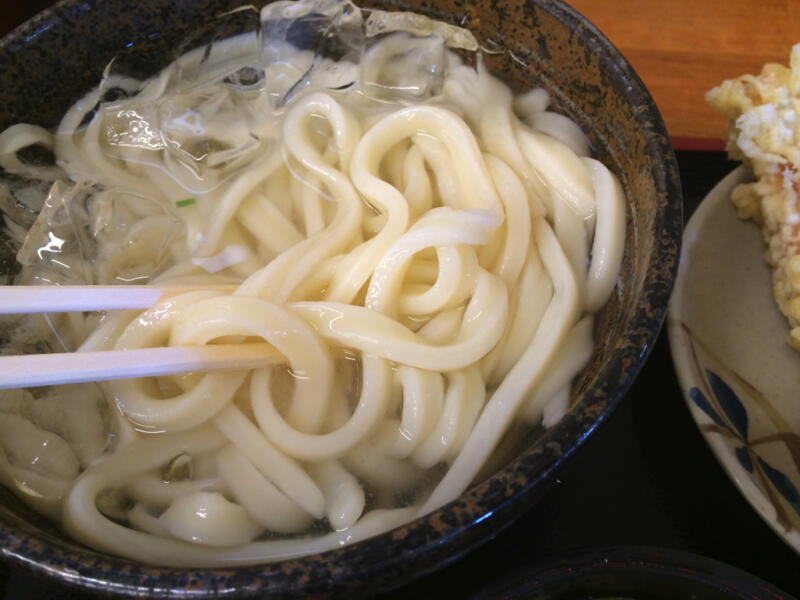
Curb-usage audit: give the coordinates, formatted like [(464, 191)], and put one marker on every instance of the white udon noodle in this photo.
[(446, 255)]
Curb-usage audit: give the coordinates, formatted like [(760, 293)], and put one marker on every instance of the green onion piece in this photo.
[(185, 202)]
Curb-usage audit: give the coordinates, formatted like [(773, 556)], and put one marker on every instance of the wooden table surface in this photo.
[(680, 48)]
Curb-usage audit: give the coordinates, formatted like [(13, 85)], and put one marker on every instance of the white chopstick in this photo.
[(26, 299), (33, 370)]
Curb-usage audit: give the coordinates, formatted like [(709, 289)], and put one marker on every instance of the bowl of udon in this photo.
[(312, 296)]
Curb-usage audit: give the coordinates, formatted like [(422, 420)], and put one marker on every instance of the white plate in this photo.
[(738, 374)]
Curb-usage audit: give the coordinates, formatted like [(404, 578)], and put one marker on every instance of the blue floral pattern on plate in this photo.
[(730, 418)]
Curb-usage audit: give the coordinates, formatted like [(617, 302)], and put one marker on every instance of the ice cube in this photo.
[(402, 65), (219, 49), (165, 122), (58, 243), (381, 22), (63, 246), (310, 44)]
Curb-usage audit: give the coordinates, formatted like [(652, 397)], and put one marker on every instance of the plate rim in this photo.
[(686, 370)]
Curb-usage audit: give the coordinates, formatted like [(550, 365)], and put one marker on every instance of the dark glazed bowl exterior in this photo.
[(49, 62), (632, 572)]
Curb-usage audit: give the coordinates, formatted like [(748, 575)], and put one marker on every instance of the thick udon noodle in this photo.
[(428, 268)]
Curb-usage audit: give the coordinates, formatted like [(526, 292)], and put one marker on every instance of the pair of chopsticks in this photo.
[(33, 370)]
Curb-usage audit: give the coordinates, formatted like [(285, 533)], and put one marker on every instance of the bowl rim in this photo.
[(497, 507), (621, 562)]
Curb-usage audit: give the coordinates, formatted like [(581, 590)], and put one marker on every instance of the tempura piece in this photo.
[(764, 133)]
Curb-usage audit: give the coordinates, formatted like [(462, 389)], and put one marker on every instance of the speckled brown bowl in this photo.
[(50, 61)]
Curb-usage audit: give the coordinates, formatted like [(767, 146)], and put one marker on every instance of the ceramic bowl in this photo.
[(738, 374), (620, 573), (53, 59)]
